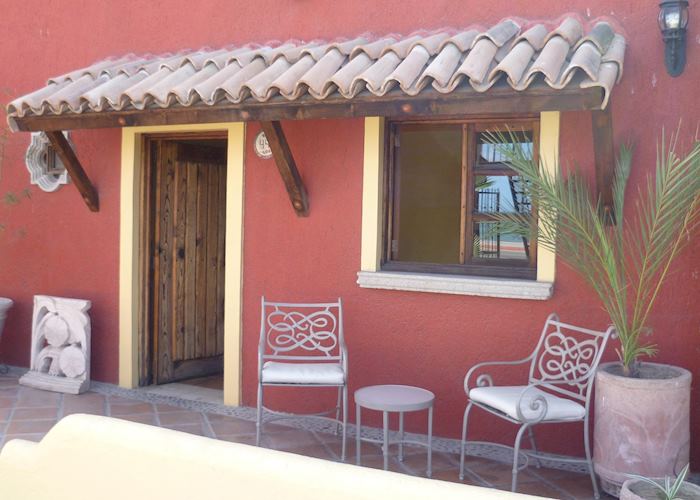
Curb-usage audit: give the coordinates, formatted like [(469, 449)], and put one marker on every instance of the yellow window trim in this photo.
[(373, 191), (129, 235)]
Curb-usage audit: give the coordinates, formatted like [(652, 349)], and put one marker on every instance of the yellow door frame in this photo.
[(129, 244)]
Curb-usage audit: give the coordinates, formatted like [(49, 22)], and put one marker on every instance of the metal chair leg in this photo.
[(589, 460), (258, 421), (345, 421), (464, 440), (531, 434), (337, 411), (516, 452)]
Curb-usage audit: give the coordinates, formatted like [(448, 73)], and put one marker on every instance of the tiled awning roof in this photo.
[(511, 53)]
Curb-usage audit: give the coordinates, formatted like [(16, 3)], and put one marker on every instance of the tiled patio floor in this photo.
[(28, 414)]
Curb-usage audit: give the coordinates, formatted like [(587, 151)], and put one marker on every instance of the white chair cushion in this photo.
[(274, 372), (505, 399)]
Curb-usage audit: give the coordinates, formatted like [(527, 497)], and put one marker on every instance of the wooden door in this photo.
[(188, 220)]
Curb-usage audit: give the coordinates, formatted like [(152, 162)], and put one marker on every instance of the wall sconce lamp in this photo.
[(673, 21)]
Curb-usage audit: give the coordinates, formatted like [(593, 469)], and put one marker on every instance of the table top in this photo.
[(394, 398)]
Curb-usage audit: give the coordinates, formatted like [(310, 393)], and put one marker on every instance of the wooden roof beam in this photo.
[(75, 169), (604, 152), (286, 166)]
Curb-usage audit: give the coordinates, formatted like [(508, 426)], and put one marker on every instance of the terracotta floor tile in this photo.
[(577, 485), (452, 475), (7, 381), (30, 426), (188, 428), (316, 451), (418, 461), (538, 489), (168, 408), (28, 397), (82, 399), (293, 438), (180, 417), (119, 410), (35, 413), (377, 462), (232, 426), (117, 400), (88, 411), (142, 418), (92, 407), (4, 414), (7, 402)]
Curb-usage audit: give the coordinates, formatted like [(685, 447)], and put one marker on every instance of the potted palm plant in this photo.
[(625, 254)]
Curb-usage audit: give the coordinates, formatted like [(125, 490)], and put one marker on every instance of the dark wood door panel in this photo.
[(188, 197)]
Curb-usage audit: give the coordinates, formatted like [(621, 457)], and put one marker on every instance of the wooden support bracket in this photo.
[(75, 169), (604, 151), (286, 166)]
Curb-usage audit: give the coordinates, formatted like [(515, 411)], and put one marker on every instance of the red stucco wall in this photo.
[(52, 244)]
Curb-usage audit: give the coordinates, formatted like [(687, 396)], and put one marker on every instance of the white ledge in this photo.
[(458, 285)]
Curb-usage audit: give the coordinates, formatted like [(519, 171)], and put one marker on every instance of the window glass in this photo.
[(489, 153), (447, 184), (489, 243), (428, 171), (500, 194)]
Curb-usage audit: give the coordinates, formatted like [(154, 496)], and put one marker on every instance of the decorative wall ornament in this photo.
[(262, 147), (60, 350), (45, 167)]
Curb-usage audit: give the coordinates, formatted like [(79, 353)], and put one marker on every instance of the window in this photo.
[(444, 183)]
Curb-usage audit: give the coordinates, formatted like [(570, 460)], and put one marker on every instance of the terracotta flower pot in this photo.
[(642, 425), (634, 489)]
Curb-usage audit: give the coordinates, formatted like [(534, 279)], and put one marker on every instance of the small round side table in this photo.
[(400, 399)]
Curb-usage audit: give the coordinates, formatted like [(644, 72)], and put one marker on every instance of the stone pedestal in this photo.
[(60, 350)]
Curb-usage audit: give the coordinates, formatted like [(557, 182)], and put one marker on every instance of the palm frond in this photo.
[(627, 262)]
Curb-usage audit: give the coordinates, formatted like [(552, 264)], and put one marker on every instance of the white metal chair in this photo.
[(559, 387), (302, 345)]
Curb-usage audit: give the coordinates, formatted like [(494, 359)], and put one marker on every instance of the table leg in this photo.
[(386, 440), (358, 431), (430, 442), (400, 436)]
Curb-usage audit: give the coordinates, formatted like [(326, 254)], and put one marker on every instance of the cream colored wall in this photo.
[(549, 159), (129, 236), (372, 192)]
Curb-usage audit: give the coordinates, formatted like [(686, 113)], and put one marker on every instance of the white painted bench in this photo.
[(92, 457)]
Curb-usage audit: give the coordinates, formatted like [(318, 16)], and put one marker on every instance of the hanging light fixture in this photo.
[(673, 21)]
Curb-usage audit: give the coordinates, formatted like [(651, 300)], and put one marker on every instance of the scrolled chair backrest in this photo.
[(566, 357), (301, 330)]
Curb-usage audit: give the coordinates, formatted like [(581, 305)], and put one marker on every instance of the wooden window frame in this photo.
[(503, 268)]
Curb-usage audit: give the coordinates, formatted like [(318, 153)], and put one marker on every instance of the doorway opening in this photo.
[(182, 256)]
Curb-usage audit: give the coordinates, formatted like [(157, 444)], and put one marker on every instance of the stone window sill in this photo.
[(458, 285)]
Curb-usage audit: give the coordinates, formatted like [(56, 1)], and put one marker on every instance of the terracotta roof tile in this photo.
[(519, 53)]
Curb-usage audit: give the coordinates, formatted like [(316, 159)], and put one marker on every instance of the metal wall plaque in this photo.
[(262, 148)]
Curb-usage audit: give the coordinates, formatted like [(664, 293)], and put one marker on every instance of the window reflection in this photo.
[(489, 153), (501, 194)]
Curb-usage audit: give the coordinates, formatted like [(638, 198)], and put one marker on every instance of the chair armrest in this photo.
[(485, 380)]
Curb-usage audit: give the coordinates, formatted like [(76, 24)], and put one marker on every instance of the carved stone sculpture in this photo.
[(60, 351)]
